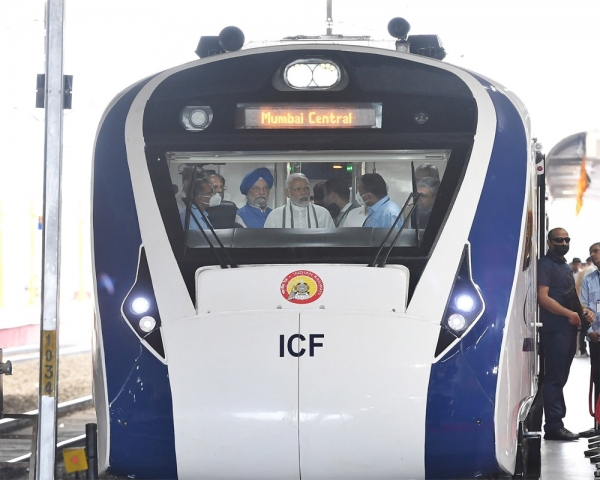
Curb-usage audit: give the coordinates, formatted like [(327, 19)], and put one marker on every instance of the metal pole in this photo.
[(46, 443), (91, 450)]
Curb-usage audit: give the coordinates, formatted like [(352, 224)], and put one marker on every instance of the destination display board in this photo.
[(308, 115)]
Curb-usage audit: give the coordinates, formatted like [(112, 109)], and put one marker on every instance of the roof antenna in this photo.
[(329, 18)]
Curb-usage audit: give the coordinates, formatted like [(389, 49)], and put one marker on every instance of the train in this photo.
[(401, 351)]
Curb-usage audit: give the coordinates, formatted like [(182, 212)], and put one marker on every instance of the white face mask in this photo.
[(359, 199), (215, 200)]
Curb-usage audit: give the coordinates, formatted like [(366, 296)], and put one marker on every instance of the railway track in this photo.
[(16, 435)]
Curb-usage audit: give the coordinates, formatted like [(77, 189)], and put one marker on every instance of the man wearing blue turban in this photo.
[(256, 186)]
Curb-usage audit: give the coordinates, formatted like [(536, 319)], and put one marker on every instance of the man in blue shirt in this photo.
[(205, 197), (381, 211), (559, 332), (256, 186), (590, 298)]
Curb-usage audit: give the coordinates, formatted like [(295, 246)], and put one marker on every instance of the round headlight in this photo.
[(457, 322), (326, 75), (299, 75), (198, 118), (140, 305), (465, 303), (147, 324)]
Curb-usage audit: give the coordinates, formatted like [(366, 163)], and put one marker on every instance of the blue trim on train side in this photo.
[(460, 438), (142, 438)]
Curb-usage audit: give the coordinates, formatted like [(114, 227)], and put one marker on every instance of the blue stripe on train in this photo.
[(459, 438), (142, 440)]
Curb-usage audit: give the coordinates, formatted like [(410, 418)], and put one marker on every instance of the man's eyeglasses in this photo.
[(300, 189), (561, 239), (259, 189)]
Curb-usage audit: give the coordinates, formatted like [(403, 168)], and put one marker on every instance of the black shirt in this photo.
[(555, 273)]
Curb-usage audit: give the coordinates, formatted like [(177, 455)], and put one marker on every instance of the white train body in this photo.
[(363, 378)]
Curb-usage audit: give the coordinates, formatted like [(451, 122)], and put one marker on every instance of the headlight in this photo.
[(140, 310), (147, 324), (465, 305), (196, 119), (140, 305)]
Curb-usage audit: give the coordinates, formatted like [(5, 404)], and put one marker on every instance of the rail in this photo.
[(12, 422)]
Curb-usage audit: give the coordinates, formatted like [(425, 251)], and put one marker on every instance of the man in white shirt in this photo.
[(298, 212)]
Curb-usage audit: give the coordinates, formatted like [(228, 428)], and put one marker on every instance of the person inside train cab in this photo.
[(298, 212), (256, 185), (205, 197), (428, 188), (380, 209), (318, 195), (186, 180), (426, 170), (216, 181), (561, 313), (223, 214), (337, 200)]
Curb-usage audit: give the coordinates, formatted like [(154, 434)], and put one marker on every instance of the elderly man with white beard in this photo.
[(298, 212)]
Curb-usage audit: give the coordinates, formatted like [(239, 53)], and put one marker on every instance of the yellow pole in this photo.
[(32, 290)]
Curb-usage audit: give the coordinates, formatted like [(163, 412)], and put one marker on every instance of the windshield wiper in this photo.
[(413, 196), (228, 262)]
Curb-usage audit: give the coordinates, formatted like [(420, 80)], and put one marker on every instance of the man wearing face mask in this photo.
[(205, 198), (256, 186), (225, 216), (381, 211), (558, 304), (298, 212)]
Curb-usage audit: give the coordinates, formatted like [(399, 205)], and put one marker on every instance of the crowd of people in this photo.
[(330, 206), (569, 300)]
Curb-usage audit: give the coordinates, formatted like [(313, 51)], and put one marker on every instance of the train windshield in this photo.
[(408, 127), (244, 197)]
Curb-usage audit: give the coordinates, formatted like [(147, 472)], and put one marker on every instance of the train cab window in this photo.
[(209, 186)]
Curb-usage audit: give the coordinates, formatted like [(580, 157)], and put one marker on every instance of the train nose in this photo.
[(272, 394)]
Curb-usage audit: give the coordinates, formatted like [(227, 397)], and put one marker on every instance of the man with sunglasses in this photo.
[(559, 315)]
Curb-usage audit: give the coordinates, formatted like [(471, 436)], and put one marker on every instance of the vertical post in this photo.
[(91, 450), (329, 17), (53, 104)]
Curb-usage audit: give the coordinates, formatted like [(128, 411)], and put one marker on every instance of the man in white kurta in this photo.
[(298, 212)]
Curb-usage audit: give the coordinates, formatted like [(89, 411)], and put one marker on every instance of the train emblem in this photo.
[(301, 286)]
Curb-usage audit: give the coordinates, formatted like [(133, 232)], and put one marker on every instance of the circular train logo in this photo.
[(301, 286)]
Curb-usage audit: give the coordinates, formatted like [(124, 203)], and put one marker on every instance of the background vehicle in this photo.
[(413, 355)]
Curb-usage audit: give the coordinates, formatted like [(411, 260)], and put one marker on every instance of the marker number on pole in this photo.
[(48, 362)]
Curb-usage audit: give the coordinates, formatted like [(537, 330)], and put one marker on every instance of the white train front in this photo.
[(416, 360)]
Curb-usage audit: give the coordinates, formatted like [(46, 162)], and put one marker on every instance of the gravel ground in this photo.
[(21, 389)]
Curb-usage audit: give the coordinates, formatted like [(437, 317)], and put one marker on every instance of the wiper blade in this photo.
[(413, 196), (228, 262)]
